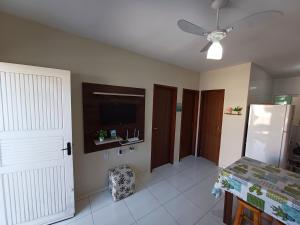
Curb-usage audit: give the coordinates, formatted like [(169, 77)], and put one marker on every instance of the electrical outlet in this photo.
[(121, 151), (106, 155), (132, 148)]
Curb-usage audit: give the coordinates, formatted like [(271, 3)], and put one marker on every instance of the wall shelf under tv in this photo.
[(118, 94), (119, 140), (94, 96), (108, 140)]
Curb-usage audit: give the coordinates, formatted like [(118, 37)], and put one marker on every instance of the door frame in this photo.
[(201, 121), (173, 121), (195, 121)]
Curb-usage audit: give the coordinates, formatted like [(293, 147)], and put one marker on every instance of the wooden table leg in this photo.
[(227, 214)]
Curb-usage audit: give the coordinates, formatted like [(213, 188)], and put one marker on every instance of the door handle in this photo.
[(68, 148), (155, 128)]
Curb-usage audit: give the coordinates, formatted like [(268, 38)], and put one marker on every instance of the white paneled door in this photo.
[(36, 166)]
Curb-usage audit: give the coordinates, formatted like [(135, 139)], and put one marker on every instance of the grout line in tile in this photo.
[(135, 221), (167, 200), (171, 214), (90, 206), (102, 208), (208, 211), (90, 203), (151, 210), (148, 213), (187, 189), (197, 183), (161, 204)]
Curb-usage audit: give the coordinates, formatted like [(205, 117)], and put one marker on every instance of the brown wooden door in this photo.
[(189, 116), (163, 125), (210, 124)]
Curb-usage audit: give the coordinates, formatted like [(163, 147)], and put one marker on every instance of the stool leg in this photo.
[(267, 218), (257, 219), (278, 222), (238, 215)]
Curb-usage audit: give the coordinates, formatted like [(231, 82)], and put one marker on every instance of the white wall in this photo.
[(289, 86), (286, 86), (235, 81), (260, 87), (26, 42)]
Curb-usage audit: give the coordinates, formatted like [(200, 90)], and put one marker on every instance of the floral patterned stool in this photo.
[(121, 182)]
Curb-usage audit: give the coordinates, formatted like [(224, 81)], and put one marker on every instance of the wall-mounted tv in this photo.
[(117, 113)]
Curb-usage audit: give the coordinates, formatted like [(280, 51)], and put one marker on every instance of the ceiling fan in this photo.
[(214, 48)]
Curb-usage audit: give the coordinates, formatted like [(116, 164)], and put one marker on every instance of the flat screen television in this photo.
[(117, 113)]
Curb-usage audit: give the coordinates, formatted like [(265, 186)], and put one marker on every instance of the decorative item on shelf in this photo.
[(229, 110), (113, 134), (283, 100), (238, 110), (101, 135), (234, 110)]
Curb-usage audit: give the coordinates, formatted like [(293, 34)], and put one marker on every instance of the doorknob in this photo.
[(68, 148), (155, 128)]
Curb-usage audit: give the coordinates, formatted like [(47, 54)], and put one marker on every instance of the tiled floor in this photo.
[(171, 195)]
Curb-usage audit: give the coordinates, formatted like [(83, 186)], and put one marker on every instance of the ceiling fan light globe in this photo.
[(215, 51)]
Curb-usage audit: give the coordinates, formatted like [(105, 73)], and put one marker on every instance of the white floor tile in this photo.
[(179, 166), (83, 220), (114, 214), (141, 203), (185, 212), (163, 191), (191, 161), (201, 195), (149, 179), (168, 170), (82, 209), (86, 220), (194, 177), (182, 182), (100, 200), (200, 173), (218, 210), (159, 216), (208, 219)]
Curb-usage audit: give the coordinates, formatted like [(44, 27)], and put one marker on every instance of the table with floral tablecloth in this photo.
[(273, 190)]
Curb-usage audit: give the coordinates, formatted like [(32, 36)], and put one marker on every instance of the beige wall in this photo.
[(235, 81), (26, 42)]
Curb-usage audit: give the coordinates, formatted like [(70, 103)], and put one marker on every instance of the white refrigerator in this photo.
[(268, 133)]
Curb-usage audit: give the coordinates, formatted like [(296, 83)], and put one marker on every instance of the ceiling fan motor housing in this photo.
[(218, 4), (217, 35)]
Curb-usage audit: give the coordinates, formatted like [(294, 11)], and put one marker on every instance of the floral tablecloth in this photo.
[(273, 190)]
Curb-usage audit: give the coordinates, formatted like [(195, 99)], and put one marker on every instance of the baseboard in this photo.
[(80, 197)]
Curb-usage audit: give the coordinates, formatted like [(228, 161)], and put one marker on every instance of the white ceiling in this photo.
[(148, 27)]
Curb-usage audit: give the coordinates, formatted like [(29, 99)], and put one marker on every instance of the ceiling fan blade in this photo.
[(191, 28), (206, 47), (236, 23)]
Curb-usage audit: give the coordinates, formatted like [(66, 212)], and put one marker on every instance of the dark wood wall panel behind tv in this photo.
[(93, 95)]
